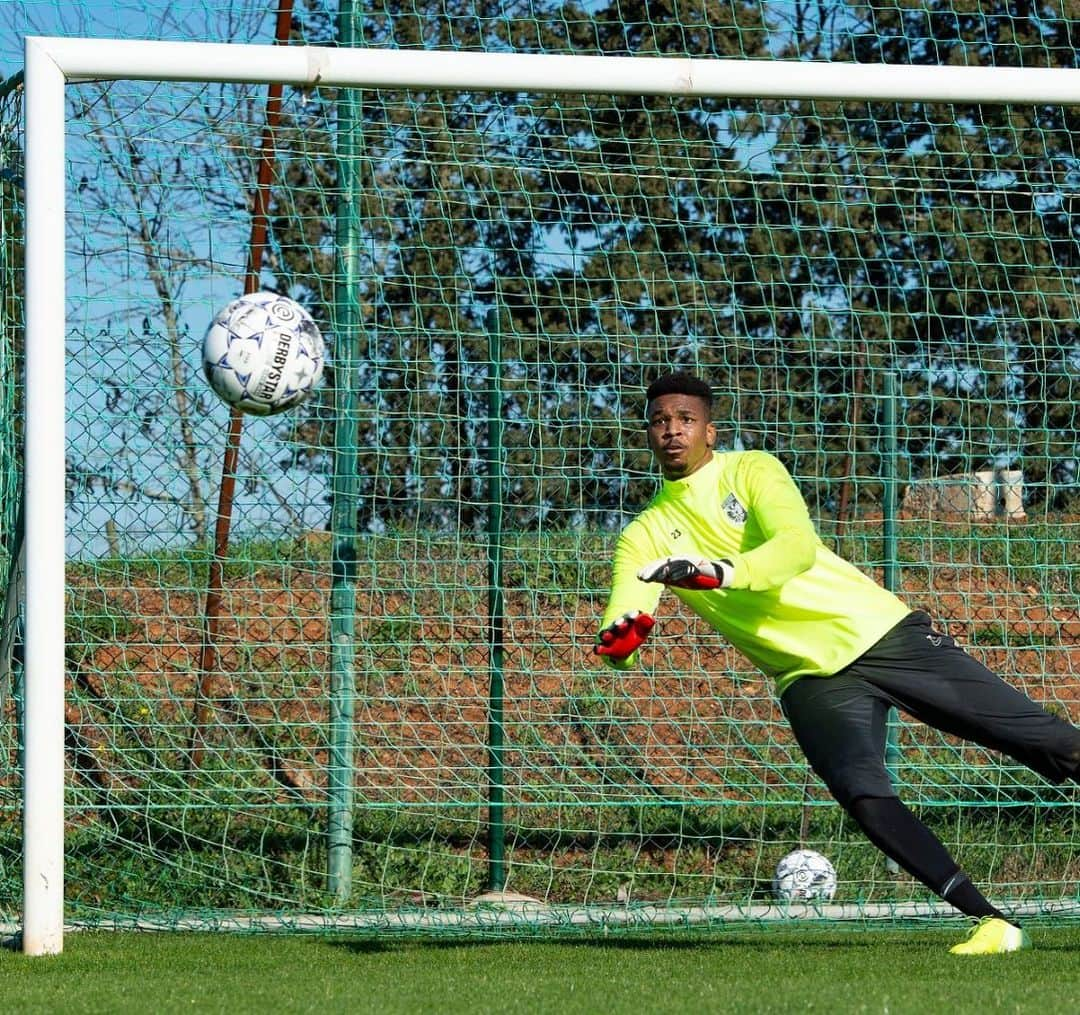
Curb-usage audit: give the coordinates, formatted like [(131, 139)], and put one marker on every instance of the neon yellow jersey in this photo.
[(794, 607)]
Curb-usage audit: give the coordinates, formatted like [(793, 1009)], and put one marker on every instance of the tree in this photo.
[(979, 238), (790, 250), (466, 199)]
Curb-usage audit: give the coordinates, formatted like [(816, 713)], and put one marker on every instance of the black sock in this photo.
[(890, 826), (961, 893)]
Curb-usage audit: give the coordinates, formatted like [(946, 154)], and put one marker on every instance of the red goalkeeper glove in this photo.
[(689, 573), (624, 637)]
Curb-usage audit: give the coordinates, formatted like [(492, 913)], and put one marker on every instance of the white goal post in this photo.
[(50, 63)]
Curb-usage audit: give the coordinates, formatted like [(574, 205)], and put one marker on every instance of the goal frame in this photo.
[(51, 63)]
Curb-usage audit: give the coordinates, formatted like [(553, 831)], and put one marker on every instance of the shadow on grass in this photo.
[(742, 939), (1052, 939)]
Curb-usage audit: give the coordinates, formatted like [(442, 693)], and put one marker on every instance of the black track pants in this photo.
[(840, 721)]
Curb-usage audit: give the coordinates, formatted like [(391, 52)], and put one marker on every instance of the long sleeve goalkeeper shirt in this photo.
[(794, 608)]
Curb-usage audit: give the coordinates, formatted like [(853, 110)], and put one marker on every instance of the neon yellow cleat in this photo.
[(992, 936)]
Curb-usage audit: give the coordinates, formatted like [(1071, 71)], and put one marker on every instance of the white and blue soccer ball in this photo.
[(804, 876), (263, 353)]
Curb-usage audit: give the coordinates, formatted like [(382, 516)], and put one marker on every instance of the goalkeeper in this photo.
[(730, 534)]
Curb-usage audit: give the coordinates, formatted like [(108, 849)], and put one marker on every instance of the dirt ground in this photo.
[(696, 720)]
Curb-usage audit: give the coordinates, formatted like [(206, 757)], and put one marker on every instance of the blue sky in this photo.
[(104, 345), (181, 20)]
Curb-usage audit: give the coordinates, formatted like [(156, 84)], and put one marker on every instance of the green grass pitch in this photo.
[(739, 970)]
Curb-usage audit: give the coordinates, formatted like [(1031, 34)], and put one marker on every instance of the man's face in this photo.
[(681, 436)]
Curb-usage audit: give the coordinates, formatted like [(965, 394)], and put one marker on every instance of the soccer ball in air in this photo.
[(263, 353), (804, 876)]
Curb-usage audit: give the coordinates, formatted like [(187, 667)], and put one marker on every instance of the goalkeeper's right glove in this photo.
[(622, 638), (689, 573)]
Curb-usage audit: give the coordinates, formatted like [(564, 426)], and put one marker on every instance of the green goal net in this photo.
[(401, 725), (11, 228)]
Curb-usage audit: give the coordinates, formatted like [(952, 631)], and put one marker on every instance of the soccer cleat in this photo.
[(992, 936)]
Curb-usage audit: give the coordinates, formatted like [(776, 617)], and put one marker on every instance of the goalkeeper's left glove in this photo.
[(622, 638), (689, 573)]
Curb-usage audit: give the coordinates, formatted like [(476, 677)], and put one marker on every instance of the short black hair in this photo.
[(679, 382)]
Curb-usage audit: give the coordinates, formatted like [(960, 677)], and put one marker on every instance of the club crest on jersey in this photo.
[(733, 510)]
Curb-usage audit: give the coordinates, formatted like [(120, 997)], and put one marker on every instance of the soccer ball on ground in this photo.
[(804, 876), (263, 353)]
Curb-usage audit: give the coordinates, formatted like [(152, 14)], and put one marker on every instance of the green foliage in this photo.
[(92, 620), (243, 858)]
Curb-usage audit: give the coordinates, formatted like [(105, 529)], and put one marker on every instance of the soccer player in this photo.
[(730, 534)]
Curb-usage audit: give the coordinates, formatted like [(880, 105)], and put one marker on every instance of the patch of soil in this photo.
[(696, 721)]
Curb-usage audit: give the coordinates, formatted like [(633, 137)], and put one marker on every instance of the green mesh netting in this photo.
[(875, 290)]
